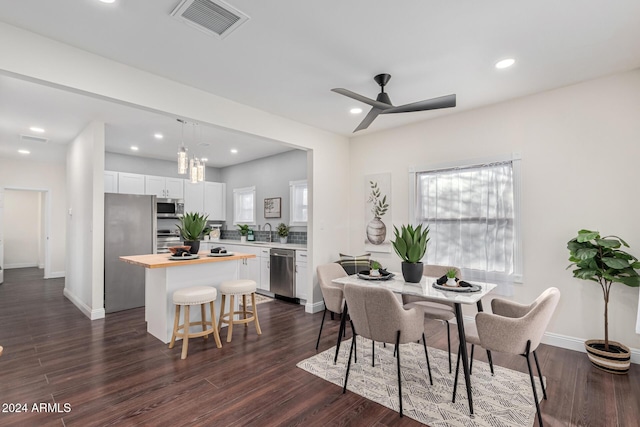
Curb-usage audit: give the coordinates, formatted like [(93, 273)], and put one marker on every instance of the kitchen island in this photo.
[(164, 276)]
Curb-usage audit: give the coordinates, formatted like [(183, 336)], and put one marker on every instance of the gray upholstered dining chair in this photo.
[(331, 293), (515, 329), (377, 315), (434, 310)]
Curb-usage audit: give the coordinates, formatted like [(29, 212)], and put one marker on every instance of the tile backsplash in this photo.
[(295, 237)]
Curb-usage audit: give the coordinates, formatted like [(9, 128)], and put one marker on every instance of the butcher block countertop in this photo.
[(163, 261)]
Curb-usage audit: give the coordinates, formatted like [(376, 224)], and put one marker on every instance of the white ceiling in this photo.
[(290, 53)]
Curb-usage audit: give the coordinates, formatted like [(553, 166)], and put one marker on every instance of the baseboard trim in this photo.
[(55, 275), (567, 342), (20, 265), (314, 308), (85, 309)]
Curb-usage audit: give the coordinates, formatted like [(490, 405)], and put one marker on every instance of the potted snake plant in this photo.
[(410, 245), (192, 226), (600, 259)]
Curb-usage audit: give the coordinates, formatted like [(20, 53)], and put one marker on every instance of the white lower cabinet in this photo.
[(250, 267), (301, 274), (265, 273)]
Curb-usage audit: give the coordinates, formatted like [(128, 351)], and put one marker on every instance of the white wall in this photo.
[(271, 176), (23, 54), (25, 174), (145, 166), (22, 218), (580, 149), (84, 284)]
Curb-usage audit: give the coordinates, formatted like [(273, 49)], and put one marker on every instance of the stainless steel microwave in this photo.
[(169, 208)]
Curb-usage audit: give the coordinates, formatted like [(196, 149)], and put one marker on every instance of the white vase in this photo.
[(283, 239), (452, 282), (243, 239)]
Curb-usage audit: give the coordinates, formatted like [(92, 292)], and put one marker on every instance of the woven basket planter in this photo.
[(616, 361)]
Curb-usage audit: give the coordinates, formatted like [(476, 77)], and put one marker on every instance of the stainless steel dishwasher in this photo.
[(282, 272)]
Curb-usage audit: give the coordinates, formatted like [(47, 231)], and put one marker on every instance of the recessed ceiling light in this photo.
[(234, 151), (134, 148), (505, 63), (158, 135), (355, 110), (204, 159), (24, 151), (36, 129), (107, 1)]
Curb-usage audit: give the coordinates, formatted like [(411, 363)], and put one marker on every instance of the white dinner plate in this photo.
[(184, 258), (470, 289), (221, 255)]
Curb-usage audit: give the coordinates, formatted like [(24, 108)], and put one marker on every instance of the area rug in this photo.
[(260, 299), (505, 399)]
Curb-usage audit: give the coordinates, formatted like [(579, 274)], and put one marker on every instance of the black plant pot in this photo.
[(195, 245), (412, 272)]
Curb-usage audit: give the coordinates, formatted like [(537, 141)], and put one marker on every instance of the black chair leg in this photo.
[(373, 353), (331, 315), (544, 391), (455, 380), (343, 319), (490, 361), (448, 343), (346, 376), (399, 375), (321, 325), (426, 353), (533, 384), (471, 360), (355, 344)]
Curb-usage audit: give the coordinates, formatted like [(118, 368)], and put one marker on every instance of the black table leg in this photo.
[(463, 352), (343, 325)]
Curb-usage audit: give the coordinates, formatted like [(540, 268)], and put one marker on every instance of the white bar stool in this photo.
[(196, 295), (235, 288)]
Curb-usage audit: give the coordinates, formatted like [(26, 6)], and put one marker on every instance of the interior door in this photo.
[(1, 235)]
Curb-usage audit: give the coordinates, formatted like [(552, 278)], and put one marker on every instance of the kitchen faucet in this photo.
[(265, 228)]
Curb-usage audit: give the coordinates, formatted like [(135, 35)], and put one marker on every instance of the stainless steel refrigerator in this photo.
[(129, 229)]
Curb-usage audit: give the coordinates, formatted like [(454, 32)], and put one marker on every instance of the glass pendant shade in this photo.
[(193, 170), (200, 171), (182, 161)]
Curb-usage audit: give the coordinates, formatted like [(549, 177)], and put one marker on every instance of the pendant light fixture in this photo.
[(183, 161)]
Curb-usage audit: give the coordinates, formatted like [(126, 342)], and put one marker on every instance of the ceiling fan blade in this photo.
[(358, 97), (373, 113), (428, 104)]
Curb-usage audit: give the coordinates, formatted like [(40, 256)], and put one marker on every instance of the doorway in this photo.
[(24, 224)]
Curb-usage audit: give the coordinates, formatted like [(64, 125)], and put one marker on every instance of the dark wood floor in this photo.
[(111, 372)]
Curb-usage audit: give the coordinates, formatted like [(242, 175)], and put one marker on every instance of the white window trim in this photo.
[(244, 190), (292, 186), (516, 158)]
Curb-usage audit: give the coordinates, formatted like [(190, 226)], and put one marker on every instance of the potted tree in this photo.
[(283, 232), (244, 230), (600, 259), (410, 245), (192, 226)]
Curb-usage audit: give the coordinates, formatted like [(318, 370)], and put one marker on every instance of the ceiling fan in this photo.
[(382, 104)]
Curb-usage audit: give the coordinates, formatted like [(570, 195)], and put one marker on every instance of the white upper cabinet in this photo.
[(175, 188), (214, 200), (194, 197), (110, 182), (166, 188), (130, 183)]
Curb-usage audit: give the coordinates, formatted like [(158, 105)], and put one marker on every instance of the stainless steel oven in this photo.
[(169, 208), (166, 239)]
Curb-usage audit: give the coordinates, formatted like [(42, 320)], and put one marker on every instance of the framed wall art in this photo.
[(272, 207)]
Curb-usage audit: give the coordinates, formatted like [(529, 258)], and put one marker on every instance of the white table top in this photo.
[(423, 289)]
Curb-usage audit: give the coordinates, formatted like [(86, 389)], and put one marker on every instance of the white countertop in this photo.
[(259, 244)]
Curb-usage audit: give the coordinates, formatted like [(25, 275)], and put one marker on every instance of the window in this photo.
[(299, 204), (244, 205), (473, 217)]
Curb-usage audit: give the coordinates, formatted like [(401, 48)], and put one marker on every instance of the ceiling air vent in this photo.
[(211, 17), (31, 138)]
